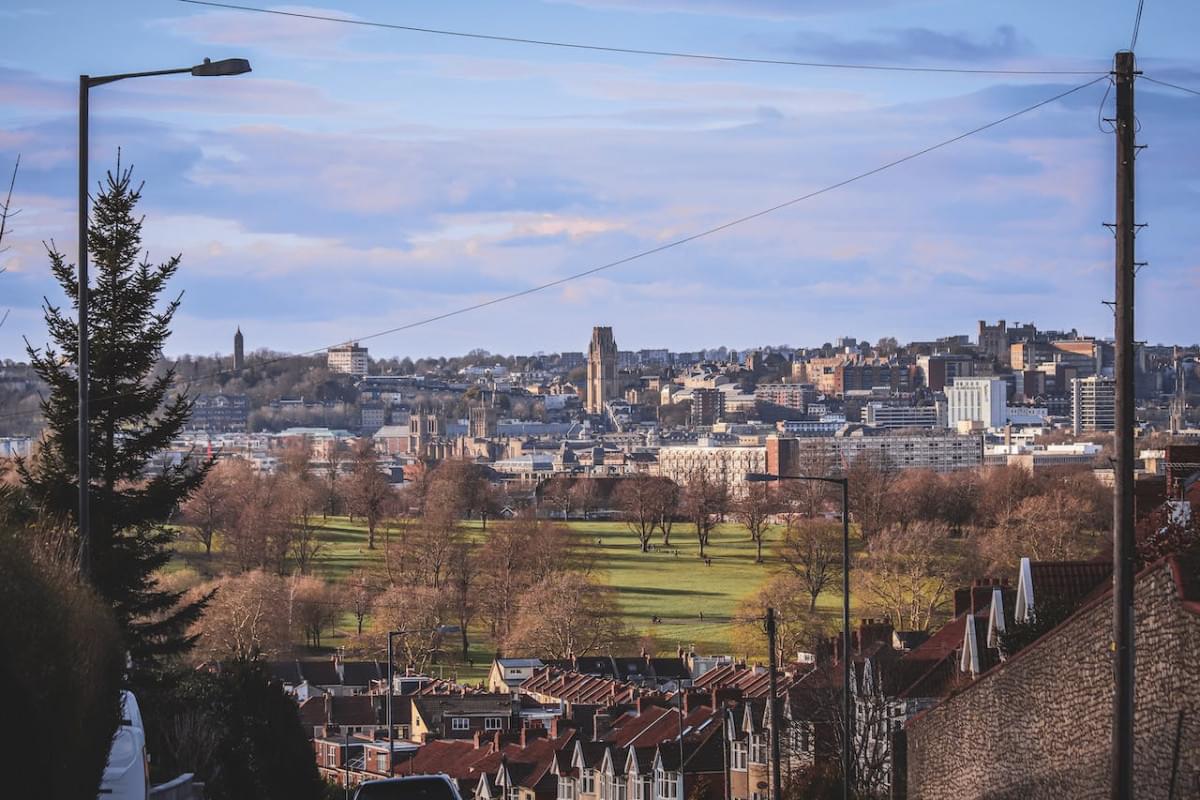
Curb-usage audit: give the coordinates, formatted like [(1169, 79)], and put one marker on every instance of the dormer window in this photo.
[(460, 724), (587, 783), (737, 756)]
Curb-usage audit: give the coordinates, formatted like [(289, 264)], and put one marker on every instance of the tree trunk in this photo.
[(466, 646)]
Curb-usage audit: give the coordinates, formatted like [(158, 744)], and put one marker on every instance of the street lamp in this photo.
[(228, 66), (390, 689), (844, 483)]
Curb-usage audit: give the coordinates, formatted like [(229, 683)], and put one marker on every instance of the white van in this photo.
[(127, 774)]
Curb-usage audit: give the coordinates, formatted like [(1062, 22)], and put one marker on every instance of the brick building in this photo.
[(1039, 723)]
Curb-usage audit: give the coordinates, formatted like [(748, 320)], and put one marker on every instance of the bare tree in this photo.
[(666, 505), (705, 502), (210, 509), (754, 510), (871, 479), (811, 550), (246, 618), (910, 575), (418, 613), (557, 493), (370, 490), (567, 615), (335, 455), (361, 589), (301, 496), (315, 607), (797, 626), (636, 497), (808, 499), (464, 571), (585, 494), (7, 212)]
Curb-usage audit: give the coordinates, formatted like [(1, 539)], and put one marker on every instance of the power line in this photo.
[(1172, 85), (632, 50), (1137, 24), (644, 253)]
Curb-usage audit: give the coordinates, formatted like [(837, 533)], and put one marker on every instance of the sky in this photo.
[(363, 179)]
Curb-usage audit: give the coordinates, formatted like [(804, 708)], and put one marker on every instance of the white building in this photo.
[(727, 465), (977, 400), (348, 358)]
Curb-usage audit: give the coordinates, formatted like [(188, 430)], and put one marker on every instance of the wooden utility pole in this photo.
[(1123, 538), (773, 699)]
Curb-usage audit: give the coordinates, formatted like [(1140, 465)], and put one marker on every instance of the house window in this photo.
[(493, 723), (331, 757), (758, 750), (618, 789), (639, 791), (460, 724), (566, 788), (381, 762), (737, 757), (514, 793), (588, 782), (668, 786)]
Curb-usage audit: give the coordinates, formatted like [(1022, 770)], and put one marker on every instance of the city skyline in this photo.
[(505, 166)]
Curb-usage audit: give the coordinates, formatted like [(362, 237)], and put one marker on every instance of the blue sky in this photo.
[(360, 179)]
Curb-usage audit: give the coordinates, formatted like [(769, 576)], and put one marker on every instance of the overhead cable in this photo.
[(632, 50)]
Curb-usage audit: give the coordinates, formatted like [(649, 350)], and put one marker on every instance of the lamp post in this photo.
[(391, 684), (228, 66), (848, 728)]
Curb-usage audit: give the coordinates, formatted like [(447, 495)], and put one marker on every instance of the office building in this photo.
[(1093, 404), (977, 400), (349, 359)]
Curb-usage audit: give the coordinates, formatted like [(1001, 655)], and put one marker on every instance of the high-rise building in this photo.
[(601, 370), (708, 406), (348, 358), (239, 352), (982, 400), (1093, 404)]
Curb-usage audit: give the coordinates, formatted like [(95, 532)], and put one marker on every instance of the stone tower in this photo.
[(239, 352), (601, 370)]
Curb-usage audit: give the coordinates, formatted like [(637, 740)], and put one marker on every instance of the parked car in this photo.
[(127, 774), (416, 787)]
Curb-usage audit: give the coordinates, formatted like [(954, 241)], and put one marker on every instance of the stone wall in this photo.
[(1039, 726)]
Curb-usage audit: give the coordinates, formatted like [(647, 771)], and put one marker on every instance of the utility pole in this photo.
[(773, 691), (1123, 566)]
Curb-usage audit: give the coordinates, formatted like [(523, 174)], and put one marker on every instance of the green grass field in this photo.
[(677, 588)]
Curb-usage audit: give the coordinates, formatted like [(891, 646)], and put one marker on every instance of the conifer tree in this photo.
[(133, 416)]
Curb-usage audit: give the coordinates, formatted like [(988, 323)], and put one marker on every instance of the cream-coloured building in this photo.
[(727, 465)]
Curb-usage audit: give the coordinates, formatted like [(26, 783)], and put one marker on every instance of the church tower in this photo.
[(601, 370), (239, 353)]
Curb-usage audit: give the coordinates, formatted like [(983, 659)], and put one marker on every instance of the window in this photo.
[(668, 786), (588, 782), (758, 750), (514, 793), (738, 756), (381, 762), (639, 788), (493, 723), (566, 788), (331, 756), (460, 724), (618, 789)]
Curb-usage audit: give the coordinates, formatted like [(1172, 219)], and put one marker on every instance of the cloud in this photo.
[(271, 33), (771, 9), (911, 45)]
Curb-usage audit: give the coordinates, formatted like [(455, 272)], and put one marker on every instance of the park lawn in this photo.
[(672, 583)]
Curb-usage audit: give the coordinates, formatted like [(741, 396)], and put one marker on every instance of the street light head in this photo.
[(760, 477), (226, 66)]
